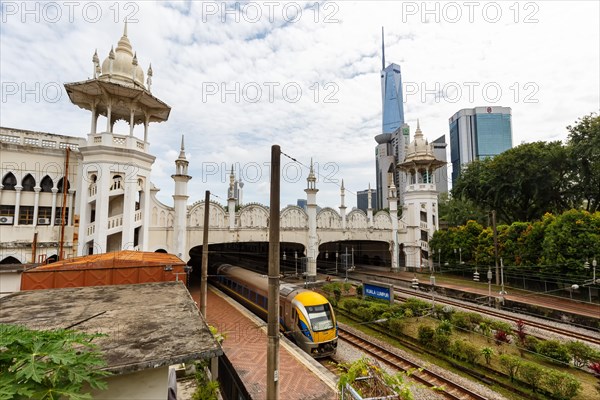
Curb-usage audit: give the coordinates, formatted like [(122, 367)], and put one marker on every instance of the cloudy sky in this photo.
[(241, 77)]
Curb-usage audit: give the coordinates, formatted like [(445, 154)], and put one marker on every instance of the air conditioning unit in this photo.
[(43, 221), (4, 220), (58, 221)]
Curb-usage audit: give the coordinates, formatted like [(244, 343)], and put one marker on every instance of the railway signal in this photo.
[(415, 283), (476, 276)]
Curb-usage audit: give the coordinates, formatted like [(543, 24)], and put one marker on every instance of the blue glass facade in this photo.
[(478, 133), (493, 134), (393, 108)]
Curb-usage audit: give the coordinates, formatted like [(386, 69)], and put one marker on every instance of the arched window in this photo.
[(117, 182), (59, 186), (9, 182), (28, 183), (10, 260), (47, 184)]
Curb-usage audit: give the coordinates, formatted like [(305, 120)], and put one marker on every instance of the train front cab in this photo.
[(314, 324)]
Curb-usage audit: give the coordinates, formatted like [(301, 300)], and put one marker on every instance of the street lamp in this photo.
[(440, 259), (337, 254), (586, 265), (460, 255), (296, 259)]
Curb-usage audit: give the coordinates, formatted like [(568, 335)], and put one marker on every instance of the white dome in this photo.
[(125, 68)]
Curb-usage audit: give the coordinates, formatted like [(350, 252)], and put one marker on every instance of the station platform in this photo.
[(543, 300), (245, 345)]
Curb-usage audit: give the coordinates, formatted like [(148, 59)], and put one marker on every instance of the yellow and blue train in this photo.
[(306, 317)]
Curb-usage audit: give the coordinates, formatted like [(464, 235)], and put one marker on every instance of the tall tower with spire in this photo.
[(181, 178), (394, 136), (114, 203), (311, 209), (420, 211)]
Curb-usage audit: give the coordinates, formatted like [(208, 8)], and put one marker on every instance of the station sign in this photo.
[(379, 290)]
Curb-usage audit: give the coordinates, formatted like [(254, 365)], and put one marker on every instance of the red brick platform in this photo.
[(245, 345)]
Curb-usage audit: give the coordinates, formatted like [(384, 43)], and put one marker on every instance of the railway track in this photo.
[(423, 375), (592, 338)]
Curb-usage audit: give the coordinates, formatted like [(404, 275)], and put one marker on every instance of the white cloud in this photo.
[(554, 61)]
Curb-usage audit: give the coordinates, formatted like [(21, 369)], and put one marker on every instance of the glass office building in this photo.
[(477, 133)]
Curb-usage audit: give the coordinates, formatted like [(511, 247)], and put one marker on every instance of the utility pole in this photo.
[(273, 301), (204, 272), (63, 220), (495, 246)]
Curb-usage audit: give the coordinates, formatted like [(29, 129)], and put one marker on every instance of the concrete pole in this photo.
[(273, 305), (495, 246), (203, 285)]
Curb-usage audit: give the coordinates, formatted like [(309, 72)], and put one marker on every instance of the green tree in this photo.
[(531, 373), (521, 184), (554, 350), (561, 384), (48, 365), (457, 211), (581, 353), (487, 353), (510, 364), (570, 239), (584, 148)]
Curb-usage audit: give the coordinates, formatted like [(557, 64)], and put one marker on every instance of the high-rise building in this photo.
[(478, 133), (391, 143), (441, 174), (301, 203), (362, 199)]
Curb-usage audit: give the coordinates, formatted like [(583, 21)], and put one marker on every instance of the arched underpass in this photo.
[(252, 255), (292, 257)]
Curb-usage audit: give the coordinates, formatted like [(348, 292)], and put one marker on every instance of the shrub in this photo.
[(418, 307), (532, 343), (501, 337), (561, 384), (351, 305), (444, 327), (359, 290), (347, 286), (441, 341), (461, 320), (531, 373), (456, 350), (396, 325), (487, 353), (510, 364), (580, 352), (471, 352), (554, 350), (500, 326), (425, 334)]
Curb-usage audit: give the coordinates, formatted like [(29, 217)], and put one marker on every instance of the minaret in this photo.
[(369, 208), (180, 198), (311, 210), (421, 199), (343, 206), (231, 200), (114, 205), (392, 197)]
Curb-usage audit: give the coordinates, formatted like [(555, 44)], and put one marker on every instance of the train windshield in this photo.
[(320, 317)]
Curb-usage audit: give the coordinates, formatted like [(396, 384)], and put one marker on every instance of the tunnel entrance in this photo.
[(250, 255)]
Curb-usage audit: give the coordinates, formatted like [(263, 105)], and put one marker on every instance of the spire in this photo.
[(125, 28), (96, 62), (311, 177), (382, 50), (149, 79), (418, 132), (343, 188), (182, 151)]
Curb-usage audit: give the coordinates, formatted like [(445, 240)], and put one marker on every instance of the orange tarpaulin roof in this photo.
[(119, 268), (118, 259)]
